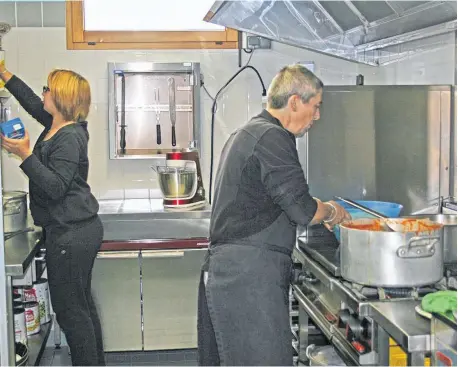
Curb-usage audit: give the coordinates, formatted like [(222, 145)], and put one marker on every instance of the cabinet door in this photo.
[(170, 285), (116, 292)]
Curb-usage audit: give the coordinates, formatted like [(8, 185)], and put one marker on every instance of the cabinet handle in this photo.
[(118, 255), (162, 254)]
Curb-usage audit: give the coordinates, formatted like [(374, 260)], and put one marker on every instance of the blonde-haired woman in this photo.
[(61, 202)]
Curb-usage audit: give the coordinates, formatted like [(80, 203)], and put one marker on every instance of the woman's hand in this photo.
[(19, 147), (5, 75)]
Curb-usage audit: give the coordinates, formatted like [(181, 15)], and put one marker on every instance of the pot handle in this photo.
[(7, 201), (15, 209), (419, 251)]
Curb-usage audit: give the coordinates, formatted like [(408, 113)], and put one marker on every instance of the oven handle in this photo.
[(118, 255), (155, 254)]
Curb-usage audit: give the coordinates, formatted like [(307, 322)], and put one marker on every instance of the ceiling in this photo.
[(361, 31)]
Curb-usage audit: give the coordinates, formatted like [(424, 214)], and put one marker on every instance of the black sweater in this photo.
[(60, 196), (260, 177)]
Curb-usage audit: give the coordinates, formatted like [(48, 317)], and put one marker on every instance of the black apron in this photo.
[(243, 313)]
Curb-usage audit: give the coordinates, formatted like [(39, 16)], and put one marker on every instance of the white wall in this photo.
[(33, 52)]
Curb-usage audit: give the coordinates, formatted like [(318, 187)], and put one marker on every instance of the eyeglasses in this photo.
[(45, 89)]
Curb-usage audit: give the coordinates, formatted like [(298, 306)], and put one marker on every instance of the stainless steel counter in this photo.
[(138, 219), (20, 251), (399, 319), (151, 208)]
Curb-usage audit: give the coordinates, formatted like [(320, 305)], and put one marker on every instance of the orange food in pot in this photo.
[(402, 225)]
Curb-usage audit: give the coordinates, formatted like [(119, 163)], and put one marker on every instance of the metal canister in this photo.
[(29, 294), (409, 257), (449, 229), (14, 211), (20, 328), (32, 317), (42, 294)]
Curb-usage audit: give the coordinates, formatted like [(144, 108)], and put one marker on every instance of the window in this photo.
[(144, 24)]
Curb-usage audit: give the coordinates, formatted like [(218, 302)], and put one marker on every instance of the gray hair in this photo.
[(293, 80)]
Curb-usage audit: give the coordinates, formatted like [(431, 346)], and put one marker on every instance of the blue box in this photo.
[(13, 129)]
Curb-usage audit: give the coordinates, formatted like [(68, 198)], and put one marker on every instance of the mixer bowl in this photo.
[(177, 183)]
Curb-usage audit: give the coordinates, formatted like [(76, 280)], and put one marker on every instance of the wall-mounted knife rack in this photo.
[(142, 123)]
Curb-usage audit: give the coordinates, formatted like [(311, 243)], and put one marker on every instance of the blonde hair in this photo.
[(293, 80), (71, 94)]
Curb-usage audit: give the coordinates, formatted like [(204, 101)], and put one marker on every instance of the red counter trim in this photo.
[(154, 244)]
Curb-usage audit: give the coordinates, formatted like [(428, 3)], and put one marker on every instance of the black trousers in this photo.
[(70, 259)]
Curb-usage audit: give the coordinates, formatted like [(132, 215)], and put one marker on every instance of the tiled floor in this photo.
[(186, 357)]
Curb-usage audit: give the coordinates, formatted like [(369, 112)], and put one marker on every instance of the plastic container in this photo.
[(391, 210), (13, 129)]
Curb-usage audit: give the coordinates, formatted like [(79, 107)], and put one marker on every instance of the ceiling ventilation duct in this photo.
[(360, 31)]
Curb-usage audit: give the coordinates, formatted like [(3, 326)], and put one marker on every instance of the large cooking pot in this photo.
[(370, 255), (14, 211), (449, 238)]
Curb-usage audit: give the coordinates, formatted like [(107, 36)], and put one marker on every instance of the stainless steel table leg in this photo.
[(10, 322), (383, 347), (57, 333), (303, 334), (416, 359)]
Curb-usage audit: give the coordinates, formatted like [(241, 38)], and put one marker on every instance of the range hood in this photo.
[(369, 32)]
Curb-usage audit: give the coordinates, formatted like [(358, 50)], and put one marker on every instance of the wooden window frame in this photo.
[(79, 39)]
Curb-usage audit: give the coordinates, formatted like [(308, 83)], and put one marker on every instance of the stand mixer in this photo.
[(180, 180)]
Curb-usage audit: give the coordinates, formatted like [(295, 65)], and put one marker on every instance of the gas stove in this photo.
[(347, 313)]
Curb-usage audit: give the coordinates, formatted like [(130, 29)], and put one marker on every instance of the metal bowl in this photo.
[(177, 183)]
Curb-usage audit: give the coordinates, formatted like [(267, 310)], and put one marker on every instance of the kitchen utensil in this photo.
[(177, 182), (449, 238), (190, 160), (158, 117), (389, 226), (172, 108), (14, 211), (122, 126), (408, 258)]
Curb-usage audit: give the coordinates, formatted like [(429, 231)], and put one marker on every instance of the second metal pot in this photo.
[(449, 238), (372, 257), (14, 211)]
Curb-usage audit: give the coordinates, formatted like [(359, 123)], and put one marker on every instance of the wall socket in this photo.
[(253, 42)]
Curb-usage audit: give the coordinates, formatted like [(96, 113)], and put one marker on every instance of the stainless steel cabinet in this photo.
[(170, 283), (116, 291)]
